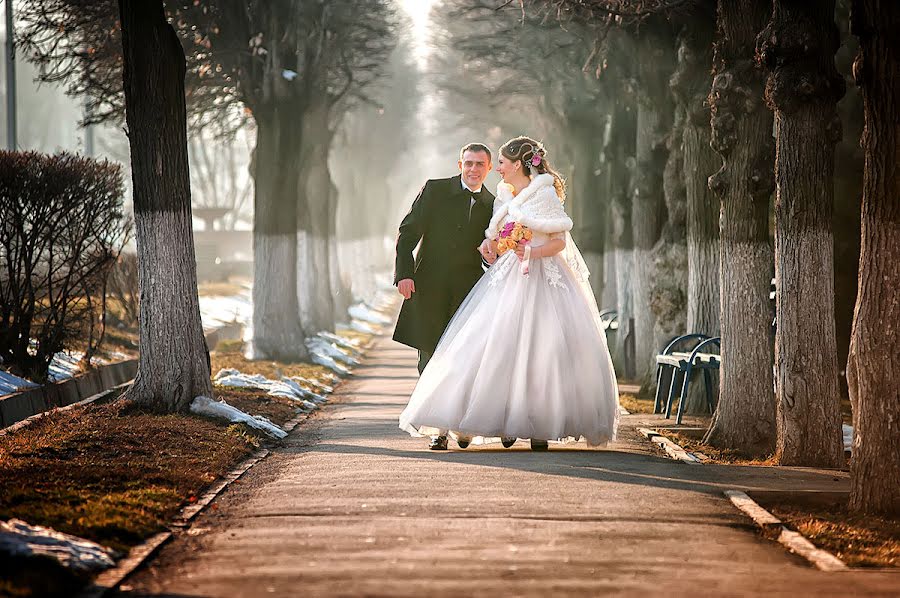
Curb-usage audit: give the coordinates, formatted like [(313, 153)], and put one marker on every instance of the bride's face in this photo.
[(507, 168)]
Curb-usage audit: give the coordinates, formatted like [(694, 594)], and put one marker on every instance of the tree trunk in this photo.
[(874, 364), (277, 332), (668, 295), (588, 204), (654, 123), (848, 181), (340, 289), (173, 367), (621, 165), (741, 133), (314, 269), (690, 85), (803, 87)]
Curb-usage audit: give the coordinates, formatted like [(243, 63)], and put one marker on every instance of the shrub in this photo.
[(62, 228)]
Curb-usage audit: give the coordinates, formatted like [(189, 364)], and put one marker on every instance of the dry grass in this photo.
[(636, 404), (110, 477), (270, 369), (716, 455), (279, 410), (861, 541), (212, 289)]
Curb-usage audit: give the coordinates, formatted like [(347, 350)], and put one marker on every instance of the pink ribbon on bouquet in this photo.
[(526, 260)]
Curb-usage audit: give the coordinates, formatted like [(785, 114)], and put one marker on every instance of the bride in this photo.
[(524, 356)]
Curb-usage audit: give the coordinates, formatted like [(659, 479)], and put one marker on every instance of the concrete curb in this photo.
[(21, 405), (673, 450), (793, 541)]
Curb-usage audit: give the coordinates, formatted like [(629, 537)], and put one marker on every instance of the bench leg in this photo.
[(662, 381), (684, 394), (660, 376), (707, 380), (672, 386)]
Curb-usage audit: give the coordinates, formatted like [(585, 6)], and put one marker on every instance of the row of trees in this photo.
[(291, 70), (666, 110)]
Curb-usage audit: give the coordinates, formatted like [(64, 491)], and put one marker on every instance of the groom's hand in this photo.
[(407, 287), (487, 252)]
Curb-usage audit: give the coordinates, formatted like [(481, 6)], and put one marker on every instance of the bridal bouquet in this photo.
[(510, 236)]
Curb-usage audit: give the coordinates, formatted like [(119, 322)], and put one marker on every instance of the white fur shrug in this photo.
[(537, 206)]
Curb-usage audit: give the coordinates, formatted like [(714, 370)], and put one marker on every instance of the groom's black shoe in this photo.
[(539, 445), (507, 442), (438, 443)]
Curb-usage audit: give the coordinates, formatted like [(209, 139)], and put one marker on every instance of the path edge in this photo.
[(794, 541)]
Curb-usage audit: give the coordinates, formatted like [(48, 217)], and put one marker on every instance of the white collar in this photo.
[(466, 187)]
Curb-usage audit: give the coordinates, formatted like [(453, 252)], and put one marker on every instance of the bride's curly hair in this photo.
[(524, 149)]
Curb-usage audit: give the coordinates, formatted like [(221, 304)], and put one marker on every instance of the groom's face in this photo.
[(474, 167)]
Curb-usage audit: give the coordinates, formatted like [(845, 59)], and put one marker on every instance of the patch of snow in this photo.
[(320, 386), (847, 432), (206, 406), (350, 344), (321, 346), (363, 327), (328, 362), (218, 310), (18, 538), (364, 313), (285, 387), (10, 384)]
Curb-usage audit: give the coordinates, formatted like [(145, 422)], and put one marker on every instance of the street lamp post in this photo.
[(11, 141)]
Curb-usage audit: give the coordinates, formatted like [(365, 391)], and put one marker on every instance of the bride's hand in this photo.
[(520, 250)]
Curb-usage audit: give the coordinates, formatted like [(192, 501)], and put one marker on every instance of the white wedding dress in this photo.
[(524, 356)]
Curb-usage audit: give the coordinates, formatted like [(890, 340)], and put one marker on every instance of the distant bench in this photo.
[(679, 361)]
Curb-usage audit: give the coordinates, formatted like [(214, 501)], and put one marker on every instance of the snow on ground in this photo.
[(847, 432), (218, 310), (221, 409), (290, 388), (18, 538), (10, 384)]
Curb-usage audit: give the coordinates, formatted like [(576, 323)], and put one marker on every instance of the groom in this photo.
[(448, 217)]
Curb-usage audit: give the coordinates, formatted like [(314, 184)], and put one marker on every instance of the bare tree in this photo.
[(174, 361), (798, 46), (875, 345), (741, 133), (61, 231)]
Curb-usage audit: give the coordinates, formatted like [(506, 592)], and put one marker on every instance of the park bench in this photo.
[(609, 320), (679, 361)]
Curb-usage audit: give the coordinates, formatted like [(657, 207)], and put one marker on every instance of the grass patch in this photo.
[(113, 478), (214, 289), (859, 541), (279, 410), (636, 404), (270, 369)]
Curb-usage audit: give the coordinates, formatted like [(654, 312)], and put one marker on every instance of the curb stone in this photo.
[(672, 450), (794, 541)]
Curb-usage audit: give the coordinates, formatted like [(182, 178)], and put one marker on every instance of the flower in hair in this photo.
[(536, 159)]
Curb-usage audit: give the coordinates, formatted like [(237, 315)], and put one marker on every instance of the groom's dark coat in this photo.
[(447, 265)]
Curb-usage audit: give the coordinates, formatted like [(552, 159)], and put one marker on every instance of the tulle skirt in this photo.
[(523, 357)]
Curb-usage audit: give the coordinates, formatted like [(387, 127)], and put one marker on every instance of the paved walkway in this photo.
[(351, 506)]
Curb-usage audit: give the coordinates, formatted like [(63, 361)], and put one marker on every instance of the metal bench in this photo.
[(683, 365), (609, 319)]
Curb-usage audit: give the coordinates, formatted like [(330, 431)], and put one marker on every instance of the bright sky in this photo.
[(418, 11)]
